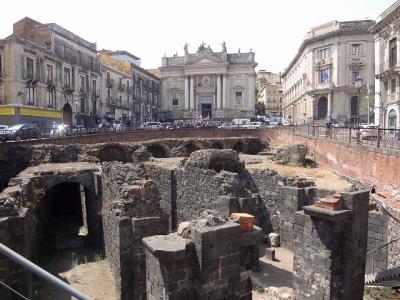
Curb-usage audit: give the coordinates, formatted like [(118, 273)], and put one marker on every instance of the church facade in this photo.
[(208, 84)]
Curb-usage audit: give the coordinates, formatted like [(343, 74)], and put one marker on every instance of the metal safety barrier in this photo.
[(42, 273)]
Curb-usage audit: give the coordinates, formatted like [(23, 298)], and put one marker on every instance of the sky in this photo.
[(149, 29)]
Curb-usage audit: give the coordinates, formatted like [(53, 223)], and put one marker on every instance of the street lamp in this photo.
[(358, 86)]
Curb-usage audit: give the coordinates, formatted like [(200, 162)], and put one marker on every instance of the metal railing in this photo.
[(378, 137), (41, 273)]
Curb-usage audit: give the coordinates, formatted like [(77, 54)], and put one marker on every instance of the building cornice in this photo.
[(339, 32)]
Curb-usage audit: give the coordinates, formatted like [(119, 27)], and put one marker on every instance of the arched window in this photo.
[(392, 118), (354, 106), (322, 108)]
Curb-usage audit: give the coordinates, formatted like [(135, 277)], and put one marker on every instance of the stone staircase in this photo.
[(390, 277)]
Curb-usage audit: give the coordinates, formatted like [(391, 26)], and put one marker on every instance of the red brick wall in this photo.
[(141, 135), (366, 164)]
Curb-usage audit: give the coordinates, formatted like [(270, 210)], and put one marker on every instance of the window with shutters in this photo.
[(67, 77), (49, 73), (29, 68), (393, 52)]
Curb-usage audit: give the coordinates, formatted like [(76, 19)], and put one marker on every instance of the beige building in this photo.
[(269, 92), (116, 87), (48, 74), (208, 84), (386, 32), (330, 73), (147, 95)]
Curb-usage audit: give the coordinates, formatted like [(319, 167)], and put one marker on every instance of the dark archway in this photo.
[(238, 147), (255, 146), (157, 150), (354, 107), (322, 108), (218, 164), (62, 214), (64, 235), (112, 153), (67, 114), (191, 147), (217, 145)]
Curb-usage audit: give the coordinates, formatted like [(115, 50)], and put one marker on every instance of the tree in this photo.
[(260, 108)]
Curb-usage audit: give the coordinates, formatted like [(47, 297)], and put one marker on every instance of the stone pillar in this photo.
[(186, 92), (213, 248), (215, 263), (329, 261), (218, 91), (192, 102), (329, 105), (169, 267), (224, 104)]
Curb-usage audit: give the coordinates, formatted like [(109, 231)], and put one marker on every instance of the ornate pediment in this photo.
[(204, 59)]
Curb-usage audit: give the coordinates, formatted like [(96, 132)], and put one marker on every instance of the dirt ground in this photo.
[(323, 178), (275, 276), (83, 269)]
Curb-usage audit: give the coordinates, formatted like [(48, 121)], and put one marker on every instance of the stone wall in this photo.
[(329, 261), (281, 197), (214, 262), (377, 236), (393, 250), (131, 212), (166, 180)]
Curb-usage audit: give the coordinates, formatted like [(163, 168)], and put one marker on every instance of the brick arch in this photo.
[(32, 208), (191, 146), (239, 147), (217, 145), (158, 150), (113, 152)]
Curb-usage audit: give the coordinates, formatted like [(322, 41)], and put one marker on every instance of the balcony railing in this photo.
[(109, 83)]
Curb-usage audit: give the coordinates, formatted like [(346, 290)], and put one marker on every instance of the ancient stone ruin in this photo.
[(161, 211), (294, 154)]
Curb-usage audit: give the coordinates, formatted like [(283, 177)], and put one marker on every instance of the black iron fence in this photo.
[(378, 137)]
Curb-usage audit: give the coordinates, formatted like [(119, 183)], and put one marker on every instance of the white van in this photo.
[(240, 122), (152, 125)]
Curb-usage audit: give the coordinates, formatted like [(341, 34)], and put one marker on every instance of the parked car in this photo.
[(63, 130), (368, 131), (22, 132), (240, 122), (253, 125), (152, 125), (3, 131)]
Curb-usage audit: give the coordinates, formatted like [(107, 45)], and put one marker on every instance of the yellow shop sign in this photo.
[(7, 111), (37, 112)]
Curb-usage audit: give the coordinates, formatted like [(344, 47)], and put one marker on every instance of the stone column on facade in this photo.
[(329, 112), (191, 103), (141, 112), (186, 92), (224, 104), (377, 105), (218, 91)]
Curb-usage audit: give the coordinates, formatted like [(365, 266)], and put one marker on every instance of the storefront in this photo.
[(43, 118)]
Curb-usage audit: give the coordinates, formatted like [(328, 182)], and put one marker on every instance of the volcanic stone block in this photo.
[(226, 205)]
